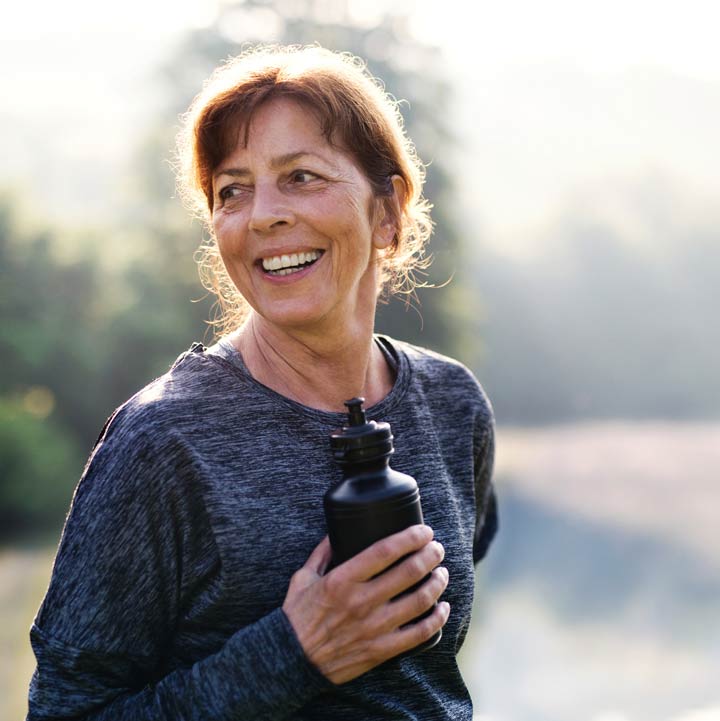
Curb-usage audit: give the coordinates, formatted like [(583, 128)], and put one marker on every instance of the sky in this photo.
[(553, 100)]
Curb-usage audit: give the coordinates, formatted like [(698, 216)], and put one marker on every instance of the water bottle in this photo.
[(372, 501)]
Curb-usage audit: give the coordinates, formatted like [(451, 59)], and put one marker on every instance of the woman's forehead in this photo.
[(282, 131)]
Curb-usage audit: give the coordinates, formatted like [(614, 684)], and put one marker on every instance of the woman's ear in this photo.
[(388, 227)]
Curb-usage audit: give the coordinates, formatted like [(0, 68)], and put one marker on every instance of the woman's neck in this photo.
[(319, 370)]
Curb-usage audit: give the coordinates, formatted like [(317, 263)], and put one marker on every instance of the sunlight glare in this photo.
[(601, 37), (80, 16)]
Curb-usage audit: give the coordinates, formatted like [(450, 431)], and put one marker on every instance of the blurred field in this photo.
[(24, 575), (601, 598), (599, 602), (657, 478)]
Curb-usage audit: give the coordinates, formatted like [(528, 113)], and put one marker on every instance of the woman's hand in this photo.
[(347, 622)]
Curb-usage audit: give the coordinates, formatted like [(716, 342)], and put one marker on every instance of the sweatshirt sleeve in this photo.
[(486, 522), (135, 540)]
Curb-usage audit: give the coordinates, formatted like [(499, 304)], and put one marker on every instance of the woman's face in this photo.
[(296, 223)]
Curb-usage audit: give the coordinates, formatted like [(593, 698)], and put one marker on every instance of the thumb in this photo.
[(320, 558)]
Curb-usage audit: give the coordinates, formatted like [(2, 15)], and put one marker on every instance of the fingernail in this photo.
[(444, 572)]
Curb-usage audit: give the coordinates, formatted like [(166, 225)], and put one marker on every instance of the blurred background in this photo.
[(573, 153)]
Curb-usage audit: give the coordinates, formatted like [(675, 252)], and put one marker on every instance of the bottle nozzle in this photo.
[(356, 414), (361, 440)]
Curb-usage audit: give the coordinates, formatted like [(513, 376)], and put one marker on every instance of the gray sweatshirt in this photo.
[(200, 500)]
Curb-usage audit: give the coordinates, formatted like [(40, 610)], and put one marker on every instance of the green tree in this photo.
[(47, 308), (39, 463), (82, 332)]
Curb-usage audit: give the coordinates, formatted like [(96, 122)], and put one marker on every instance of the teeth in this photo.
[(284, 264)]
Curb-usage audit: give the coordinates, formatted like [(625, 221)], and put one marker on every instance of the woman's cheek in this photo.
[(227, 234)]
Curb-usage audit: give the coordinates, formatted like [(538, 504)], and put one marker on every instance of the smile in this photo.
[(287, 264)]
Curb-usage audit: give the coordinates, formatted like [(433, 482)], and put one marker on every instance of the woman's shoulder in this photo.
[(142, 447), (443, 380), (176, 400), (431, 363)]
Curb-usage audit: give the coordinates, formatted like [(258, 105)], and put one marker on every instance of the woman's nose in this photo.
[(270, 209)]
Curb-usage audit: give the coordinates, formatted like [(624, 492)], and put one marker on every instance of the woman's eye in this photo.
[(231, 192), (303, 176)]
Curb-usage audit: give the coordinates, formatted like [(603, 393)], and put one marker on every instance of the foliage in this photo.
[(607, 321), (39, 463), (76, 339)]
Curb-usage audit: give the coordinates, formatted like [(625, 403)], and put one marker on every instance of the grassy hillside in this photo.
[(24, 575), (601, 598)]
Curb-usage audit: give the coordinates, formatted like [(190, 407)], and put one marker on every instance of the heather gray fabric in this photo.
[(200, 500)]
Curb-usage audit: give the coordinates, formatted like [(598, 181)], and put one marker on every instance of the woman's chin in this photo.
[(288, 315)]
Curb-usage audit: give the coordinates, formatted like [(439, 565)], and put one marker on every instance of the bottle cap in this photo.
[(361, 440)]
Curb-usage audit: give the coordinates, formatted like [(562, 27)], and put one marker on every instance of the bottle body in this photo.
[(372, 502), (366, 507)]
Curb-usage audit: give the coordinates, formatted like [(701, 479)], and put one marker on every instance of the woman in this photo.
[(191, 581)]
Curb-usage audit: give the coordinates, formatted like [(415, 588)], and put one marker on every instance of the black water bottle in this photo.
[(372, 501)]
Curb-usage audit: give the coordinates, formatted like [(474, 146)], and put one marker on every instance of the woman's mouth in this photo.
[(287, 264)]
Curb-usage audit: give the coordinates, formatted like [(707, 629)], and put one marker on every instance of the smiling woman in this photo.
[(351, 121), (287, 192), (193, 580)]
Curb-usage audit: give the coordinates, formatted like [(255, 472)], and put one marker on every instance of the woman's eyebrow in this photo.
[(276, 163), (283, 160)]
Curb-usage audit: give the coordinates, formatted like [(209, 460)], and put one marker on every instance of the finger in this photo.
[(319, 559), (384, 553), (408, 607), (412, 635), (411, 571)]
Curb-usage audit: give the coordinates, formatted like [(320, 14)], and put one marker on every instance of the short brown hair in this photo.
[(354, 112)]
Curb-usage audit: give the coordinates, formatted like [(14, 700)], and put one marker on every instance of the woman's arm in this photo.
[(486, 522), (260, 673), (133, 536), (337, 627), (136, 543)]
